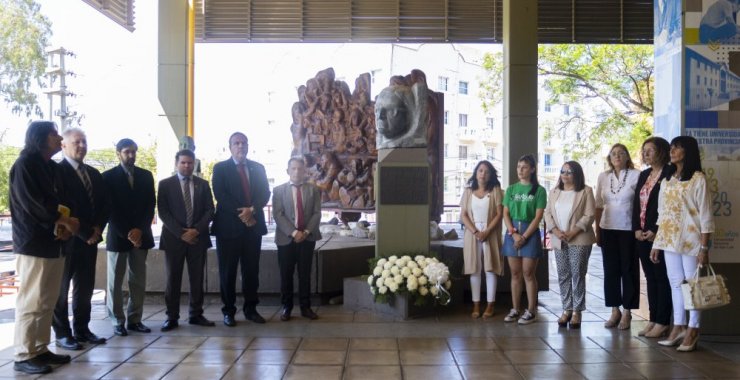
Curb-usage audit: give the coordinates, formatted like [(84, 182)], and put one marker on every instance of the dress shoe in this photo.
[(476, 310), (68, 343), (169, 324), (626, 321), (306, 312), (488, 313), (657, 331), (88, 336), (614, 320), (673, 342), (285, 314), (201, 321), (565, 318), (120, 330), (575, 320), (49, 357), (229, 320), (691, 346), (139, 327), (32, 366), (254, 316), (649, 326)]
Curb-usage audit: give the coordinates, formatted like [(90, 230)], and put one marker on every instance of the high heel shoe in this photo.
[(673, 342), (565, 318), (626, 321), (476, 310), (489, 311), (575, 322), (657, 331), (614, 320), (649, 326), (690, 347)]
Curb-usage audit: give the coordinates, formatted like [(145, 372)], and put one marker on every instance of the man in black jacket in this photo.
[(36, 194), (87, 190), (129, 237)]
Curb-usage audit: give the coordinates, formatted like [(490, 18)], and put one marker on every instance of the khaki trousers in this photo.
[(34, 306)]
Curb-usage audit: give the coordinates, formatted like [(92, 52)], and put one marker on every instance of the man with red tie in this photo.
[(241, 190), (296, 209)]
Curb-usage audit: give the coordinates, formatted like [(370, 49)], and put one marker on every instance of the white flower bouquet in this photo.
[(421, 277)]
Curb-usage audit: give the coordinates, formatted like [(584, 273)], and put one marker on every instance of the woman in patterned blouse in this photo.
[(686, 224)]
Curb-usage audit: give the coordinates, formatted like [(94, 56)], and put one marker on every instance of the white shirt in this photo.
[(563, 208), (75, 165), (479, 206), (615, 194)]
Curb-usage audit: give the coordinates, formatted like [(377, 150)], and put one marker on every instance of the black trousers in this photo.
[(174, 262), (79, 268), (243, 251), (621, 269), (658, 287), (290, 256)]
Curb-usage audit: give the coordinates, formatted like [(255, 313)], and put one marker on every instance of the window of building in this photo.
[(447, 186), (548, 159), (491, 153), (489, 122), (463, 88), (442, 84), (447, 146), (447, 117), (463, 119), (566, 109), (374, 74), (547, 107), (463, 152)]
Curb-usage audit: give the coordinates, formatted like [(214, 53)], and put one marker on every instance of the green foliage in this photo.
[(104, 159), (8, 155), (492, 88), (24, 36), (612, 84)]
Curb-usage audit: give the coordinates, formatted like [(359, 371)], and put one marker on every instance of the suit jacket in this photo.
[(90, 213), (130, 208), (283, 211), (651, 211), (171, 207), (581, 217), (227, 188)]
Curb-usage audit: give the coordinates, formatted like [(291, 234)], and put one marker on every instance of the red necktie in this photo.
[(241, 168), (299, 208)]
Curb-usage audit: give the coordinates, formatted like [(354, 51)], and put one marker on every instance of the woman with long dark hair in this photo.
[(524, 206), (615, 192), (655, 152), (481, 211), (569, 216), (686, 225)]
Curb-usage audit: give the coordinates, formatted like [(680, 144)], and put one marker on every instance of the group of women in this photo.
[(660, 217)]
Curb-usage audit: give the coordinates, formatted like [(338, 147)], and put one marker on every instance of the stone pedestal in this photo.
[(402, 193)]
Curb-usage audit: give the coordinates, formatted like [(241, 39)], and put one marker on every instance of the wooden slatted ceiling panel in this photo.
[(120, 11), (560, 21)]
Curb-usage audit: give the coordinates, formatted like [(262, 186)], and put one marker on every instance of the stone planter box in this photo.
[(357, 297)]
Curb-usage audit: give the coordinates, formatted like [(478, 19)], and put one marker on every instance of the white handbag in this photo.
[(702, 293)]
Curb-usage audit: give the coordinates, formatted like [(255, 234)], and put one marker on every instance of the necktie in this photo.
[(130, 178), (245, 183), (188, 201), (85, 182), (299, 208)]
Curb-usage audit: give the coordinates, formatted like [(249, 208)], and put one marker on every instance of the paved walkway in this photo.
[(357, 345)]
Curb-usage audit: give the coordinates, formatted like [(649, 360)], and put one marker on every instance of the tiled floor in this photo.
[(357, 345)]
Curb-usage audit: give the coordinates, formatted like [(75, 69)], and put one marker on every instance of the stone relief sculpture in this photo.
[(335, 131)]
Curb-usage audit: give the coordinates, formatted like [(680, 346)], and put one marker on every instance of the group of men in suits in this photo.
[(124, 199)]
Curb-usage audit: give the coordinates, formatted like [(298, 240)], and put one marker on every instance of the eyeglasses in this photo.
[(566, 172), (618, 154)]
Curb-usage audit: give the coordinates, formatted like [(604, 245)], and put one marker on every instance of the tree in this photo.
[(612, 85), (24, 36), (8, 155)]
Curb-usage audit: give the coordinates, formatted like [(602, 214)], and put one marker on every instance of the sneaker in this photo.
[(527, 318), (512, 317)]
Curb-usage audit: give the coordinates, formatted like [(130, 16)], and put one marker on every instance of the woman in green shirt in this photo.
[(524, 206)]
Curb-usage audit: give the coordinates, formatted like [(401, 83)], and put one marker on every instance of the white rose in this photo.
[(412, 264), (383, 290), (393, 288), (385, 273), (388, 281), (406, 271), (448, 284), (423, 280), (434, 290), (387, 265), (417, 272), (419, 258), (406, 257), (395, 271), (398, 279), (381, 262), (370, 280), (373, 291), (412, 285), (392, 259), (423, 290), (377, 271), (379, 282)]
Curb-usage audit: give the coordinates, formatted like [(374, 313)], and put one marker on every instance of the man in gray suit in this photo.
[(296, 209)]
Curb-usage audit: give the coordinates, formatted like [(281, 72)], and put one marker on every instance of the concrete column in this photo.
[(172, 67), (520, 84)]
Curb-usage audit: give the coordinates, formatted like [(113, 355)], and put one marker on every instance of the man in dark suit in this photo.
[(241, 190), (297, 211), (131, 191), (90, 206), (185, 206)]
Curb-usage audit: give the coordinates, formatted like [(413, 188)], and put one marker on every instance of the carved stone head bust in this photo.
[(400, 116)]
